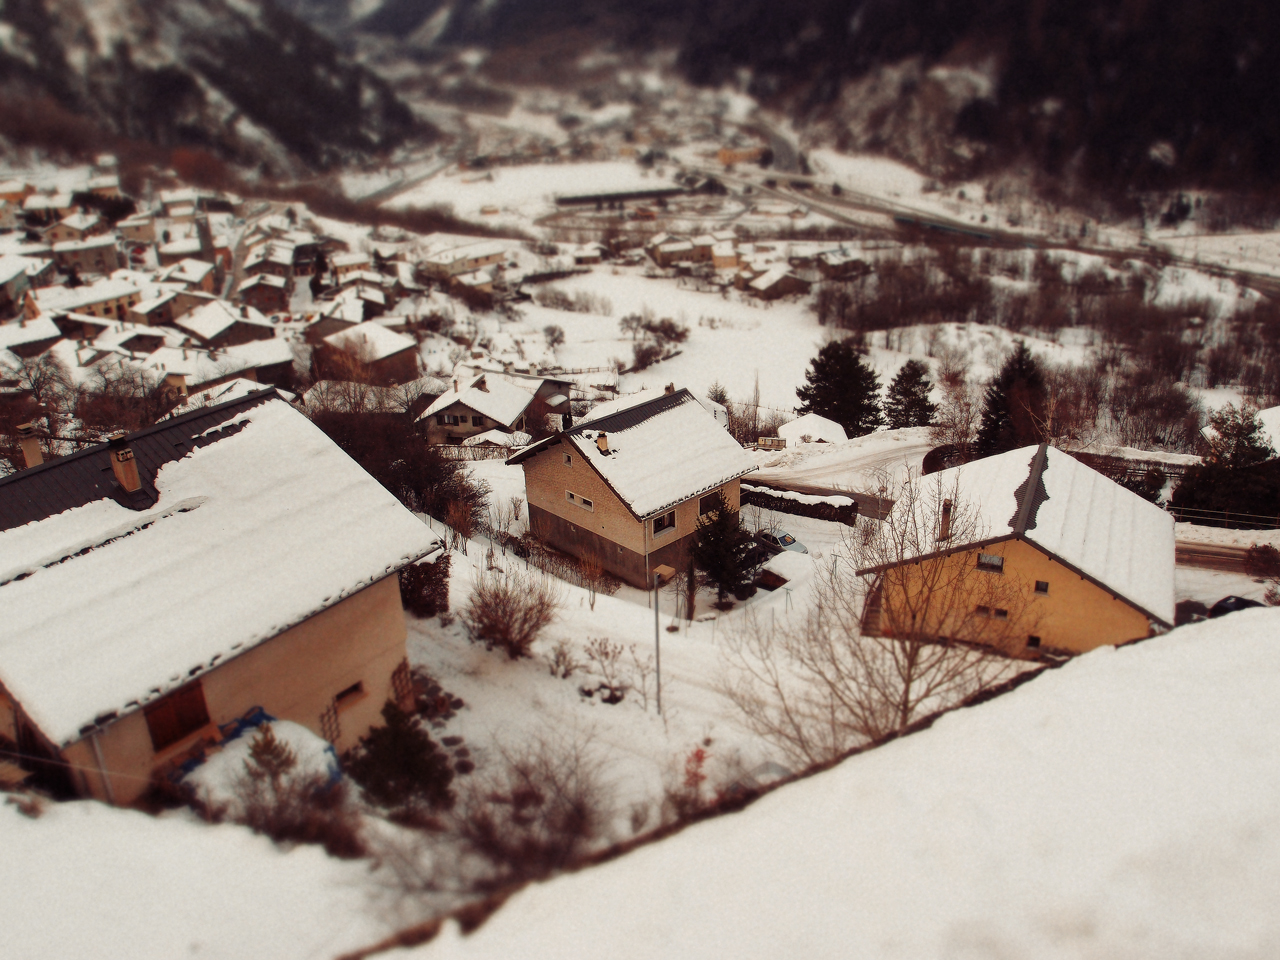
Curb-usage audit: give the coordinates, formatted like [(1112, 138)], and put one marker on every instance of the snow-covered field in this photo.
[(1122, 806)]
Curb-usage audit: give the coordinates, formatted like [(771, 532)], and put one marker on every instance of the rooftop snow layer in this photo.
[(215, 317), (252, 534), (813, 426), (661, 452), (1083, 518), (371, 341), (487, 394)]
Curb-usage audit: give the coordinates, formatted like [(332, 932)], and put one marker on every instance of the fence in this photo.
[(477, 452), (1225, 518)]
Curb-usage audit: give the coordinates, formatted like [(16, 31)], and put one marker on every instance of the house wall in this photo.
[(608, 531), (293, 676), (239, 333), (1074, 617)]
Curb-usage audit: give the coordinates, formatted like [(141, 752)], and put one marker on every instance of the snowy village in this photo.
[(631, 527)]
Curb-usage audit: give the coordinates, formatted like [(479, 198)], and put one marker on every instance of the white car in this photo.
[(779, 540)]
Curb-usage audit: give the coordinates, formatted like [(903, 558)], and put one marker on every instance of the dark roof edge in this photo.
[(629, 413), (1028, 507), (250, 399), (957, 548)]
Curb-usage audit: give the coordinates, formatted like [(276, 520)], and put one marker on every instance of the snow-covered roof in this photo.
[(660, 452), (189, 270), (644, 395), (371, 341), (1121, 806), (223, 393), (184, 245), (769, 278), (259, 523), (88, 243), (486, 394), (497, 438), (263, 280), (262, 353), (72, 298), (80, 221), (213, 318), (813, 426), (12, 265), (477, 249), (349, 259), (1091, 523), (17, 332)]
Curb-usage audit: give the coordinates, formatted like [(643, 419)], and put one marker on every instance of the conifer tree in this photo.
[(842, 387), (908, 403), (720, 549), (399, 766), (1013, 409)]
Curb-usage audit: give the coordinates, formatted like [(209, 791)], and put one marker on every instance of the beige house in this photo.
[(153, 598), (627, 488), (91, 255), (109, 298), (467, 257), (475, 405), (1083, 562)]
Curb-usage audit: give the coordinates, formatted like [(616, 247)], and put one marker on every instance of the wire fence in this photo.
[(1225, 518)]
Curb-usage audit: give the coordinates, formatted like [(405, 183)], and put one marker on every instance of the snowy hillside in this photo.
[(1122, 806)]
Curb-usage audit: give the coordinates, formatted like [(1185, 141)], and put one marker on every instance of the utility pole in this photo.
[(657, 643)]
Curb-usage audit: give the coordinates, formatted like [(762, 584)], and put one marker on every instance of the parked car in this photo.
[(779, 540), (1231, 605)]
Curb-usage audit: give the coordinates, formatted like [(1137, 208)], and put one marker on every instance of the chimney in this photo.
[(602, 442), (455, 384), (30, 445), (122, 463), (944, 525), (481, 385), (669, 389), (244, 311)]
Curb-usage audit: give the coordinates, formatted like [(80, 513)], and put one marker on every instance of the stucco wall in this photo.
[(1075, 615), (293, 676), (440, 433)]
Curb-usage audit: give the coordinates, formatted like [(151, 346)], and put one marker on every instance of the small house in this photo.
[(386, 357), (627, 489), (221, 324), (483, 403)]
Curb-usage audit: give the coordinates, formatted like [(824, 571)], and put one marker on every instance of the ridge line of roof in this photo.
[(1028, 502), (669, 399), (144, 432)]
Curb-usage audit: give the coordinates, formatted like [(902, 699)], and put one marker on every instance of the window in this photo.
[(448, 420), (1001, 614), (568, 460), (477, 421), (708, 504), (1042, 586), (663, 523), (349, 696), (580, 501), (586, 503), (176, 716), (1033, 641), (991, 562), (984, 611)]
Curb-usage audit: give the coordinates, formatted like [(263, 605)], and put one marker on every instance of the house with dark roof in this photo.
[(627, 489), (1089, 562), (160, 588)]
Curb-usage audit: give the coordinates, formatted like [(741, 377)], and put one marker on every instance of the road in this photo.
[(1210, 556)]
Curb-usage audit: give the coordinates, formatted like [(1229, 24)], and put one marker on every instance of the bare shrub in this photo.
[(424, 587), (683, 796), (291, 808), (508, 609), (562, 662), (541, 811)]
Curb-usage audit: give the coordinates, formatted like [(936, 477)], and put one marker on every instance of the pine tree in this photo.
[(720, 549), (1238, 438), (908, 403), (399, 766), (842, 387), (1013, 409)]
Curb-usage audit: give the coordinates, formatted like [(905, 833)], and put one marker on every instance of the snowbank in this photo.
[(1121, 806)]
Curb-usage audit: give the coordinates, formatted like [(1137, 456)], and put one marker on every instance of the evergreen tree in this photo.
[(399, 766), (908, 403), (842, 387), (720, 549), (1013, 410), (1237, 438)]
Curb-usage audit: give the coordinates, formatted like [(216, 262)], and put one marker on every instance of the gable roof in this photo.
[(217, 316), (486, 394), (1091, 524), (373, 341), (661, 452), (251, 522)]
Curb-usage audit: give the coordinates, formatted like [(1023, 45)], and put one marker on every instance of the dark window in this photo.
[(984, 611), (176, 716), (586, 503), (349, 695), (1001, 614), (1033, 641), (665, 522), (568, 460), (1042, 586), (440, 419), (477, 421), (991, 562), (708, 503)]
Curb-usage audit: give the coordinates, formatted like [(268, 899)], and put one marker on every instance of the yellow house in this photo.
[(473, 406), (627, 487), (1047, 553), (158, 588)]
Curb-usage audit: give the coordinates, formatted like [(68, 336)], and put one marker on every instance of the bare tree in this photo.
[(884, 640)]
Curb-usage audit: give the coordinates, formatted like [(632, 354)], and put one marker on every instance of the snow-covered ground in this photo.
[(1123, 806), (858, 464)]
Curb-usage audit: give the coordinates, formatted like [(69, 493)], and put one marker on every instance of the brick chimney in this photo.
[(602, 442), (669, 389), (944, 524), (30, 445), (122, 463)]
